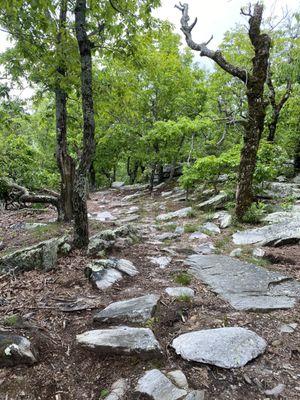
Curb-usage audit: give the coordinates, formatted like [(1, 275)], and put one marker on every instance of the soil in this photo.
[(65, 371)]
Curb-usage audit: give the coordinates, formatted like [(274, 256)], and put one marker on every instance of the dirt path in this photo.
[(66, 371)]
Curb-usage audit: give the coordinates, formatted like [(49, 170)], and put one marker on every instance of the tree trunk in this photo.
[(64, 160), (297, 159), (81, 226)]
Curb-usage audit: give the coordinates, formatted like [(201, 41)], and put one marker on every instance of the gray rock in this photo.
[(132, 210), (179, 230), (15, 350), (205, 248), (178, 378), (167, 236), (40, 256), (130, 218), (224, 219), (182, 213), (214, 202), (102, 216), (281, 190), (288, 328), (125, 266), (158, 387), (282, 216), (162, 261), (246, 286), (211, 227), (196, 395), (224, 347), (198, 235), (33, 225), (139, 309), (236, 252), (180, 291), (117, 185), (118, 390), (271, 235), (258, 253), (276, 391), (121, 340)]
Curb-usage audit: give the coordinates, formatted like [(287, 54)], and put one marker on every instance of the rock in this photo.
[(102, 216), (196, 395), (236, 252), (117, 185), (125, 266), (205, 248), (118, 390), (276, 391), (178, 378), (158, 387), (281, 190), (258, 253), (167, 236), (33, 225), (224, 347), (214, 202), (130, 218), (132, 210), (224, 219), (180, 291), (15, 350), (121, 340), (277, 234), (288, 328), (282, 216), (198, 235), (40, 256), (139, 309), (182, 213), (246, 286), (179, 230), (65, 248), (162, 261), (211, 227)]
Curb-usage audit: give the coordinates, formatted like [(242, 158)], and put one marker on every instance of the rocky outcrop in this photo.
[(16, 350)]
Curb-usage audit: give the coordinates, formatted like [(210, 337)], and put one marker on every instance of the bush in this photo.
[(255, 213)]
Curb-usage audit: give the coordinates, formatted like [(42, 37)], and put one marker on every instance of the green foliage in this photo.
[(255, 213), (183, 278)]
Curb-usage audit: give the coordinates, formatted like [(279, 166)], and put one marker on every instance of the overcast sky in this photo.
[(215, 17)]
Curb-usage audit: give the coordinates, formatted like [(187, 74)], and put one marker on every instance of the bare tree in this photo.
[(254, 81), (81, 228)]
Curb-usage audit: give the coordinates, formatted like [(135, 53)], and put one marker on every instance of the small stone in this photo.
[(276, 391), (196, 395), (214, 202), (117, 185), (16, 350), (125, 266), (288, 328), (162, 261), (178, 378), (167, 236), (179, 230), (198, 236), (211, 227), (121, 340), (180, 291), (102, 216), (182, 213), (118, 390), (205, 248), (224, 219), (236, 252), (158, 387), (139, 309), (258, 253)]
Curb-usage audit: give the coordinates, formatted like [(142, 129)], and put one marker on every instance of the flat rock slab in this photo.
[(224, 219), (180, 291), (15, 350), (277, 234), (162, 262), (182, 213), (121, 340), (224, 347), (139, 309), (211, 228), (245, 286), (214, 202), (158, 387), (102, 216)]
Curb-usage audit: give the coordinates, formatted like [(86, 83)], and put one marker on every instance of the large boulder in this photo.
[(137, 310), (15, 350), (224, 347), (41, 256), (121, 340)]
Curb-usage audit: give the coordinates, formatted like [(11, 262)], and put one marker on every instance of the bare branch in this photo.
[(202, 47)]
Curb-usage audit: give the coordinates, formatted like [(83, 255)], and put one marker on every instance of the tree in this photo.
[(81, 230), (254, 81)]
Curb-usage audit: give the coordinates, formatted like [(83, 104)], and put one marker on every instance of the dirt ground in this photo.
[(66, 372)]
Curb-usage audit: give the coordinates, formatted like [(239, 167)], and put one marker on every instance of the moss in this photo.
[(183, 278)]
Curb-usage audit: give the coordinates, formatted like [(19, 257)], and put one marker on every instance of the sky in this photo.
[(215, 17)]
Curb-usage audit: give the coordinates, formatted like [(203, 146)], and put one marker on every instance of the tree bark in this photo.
[(297, 159), (254, 82), (81, 226), (64, 160)]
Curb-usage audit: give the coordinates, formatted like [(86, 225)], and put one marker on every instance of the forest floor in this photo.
[(66, 371)]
